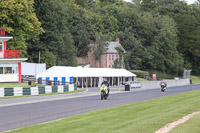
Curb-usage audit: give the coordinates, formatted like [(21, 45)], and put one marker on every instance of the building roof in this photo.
[(5, 38), (12, 60), (65, 71), (111, 47)]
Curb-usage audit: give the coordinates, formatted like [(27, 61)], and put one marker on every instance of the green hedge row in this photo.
[(140, 73), (159, 74), (163, 75)]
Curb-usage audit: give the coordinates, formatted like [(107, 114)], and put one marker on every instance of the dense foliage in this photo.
[(162, 35)]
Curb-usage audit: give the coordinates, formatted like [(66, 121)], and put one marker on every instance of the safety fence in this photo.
[(21, 91), (156, 84)]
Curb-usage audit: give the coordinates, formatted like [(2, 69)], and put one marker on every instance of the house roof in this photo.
[(65, 71), (111, 47)]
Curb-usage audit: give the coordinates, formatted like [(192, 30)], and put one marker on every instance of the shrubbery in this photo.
[(162, 75), (140, 73)]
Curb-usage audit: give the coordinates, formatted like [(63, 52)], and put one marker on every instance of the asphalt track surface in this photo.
[(14, 116)]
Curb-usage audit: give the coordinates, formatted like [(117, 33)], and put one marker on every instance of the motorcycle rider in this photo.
[(105, 82), (163, 83)]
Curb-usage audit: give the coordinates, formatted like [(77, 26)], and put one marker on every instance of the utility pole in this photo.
[(39, 57)]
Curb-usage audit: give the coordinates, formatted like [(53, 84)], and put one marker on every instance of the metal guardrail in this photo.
[(135, 84)]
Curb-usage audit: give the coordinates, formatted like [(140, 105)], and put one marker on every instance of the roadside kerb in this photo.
[(21, 91)]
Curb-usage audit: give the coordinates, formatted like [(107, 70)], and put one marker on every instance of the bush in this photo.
[(140, 73)]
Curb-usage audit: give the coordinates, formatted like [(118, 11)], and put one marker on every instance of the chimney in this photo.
[(117, 40)]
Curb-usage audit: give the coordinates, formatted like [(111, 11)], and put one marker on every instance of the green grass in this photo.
[(14, 85), (10, 97), (142, 117), (191, 126), (195, 79), (141, 79), (18, 85)]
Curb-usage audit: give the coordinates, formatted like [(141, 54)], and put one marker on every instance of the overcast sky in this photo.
[(188, 1)]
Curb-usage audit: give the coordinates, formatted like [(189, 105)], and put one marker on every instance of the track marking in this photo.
[(54, 99), (174, 124)]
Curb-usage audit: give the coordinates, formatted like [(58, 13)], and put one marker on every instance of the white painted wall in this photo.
[(9, 78), (32, 68)]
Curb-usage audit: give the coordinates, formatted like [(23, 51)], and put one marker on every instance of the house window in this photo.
[(117, 56), (109, 66), (8, 68), (1, 70), (1, 46), (109, 57), (112, 57)]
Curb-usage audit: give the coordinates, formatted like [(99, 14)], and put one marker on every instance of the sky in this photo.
[(188, 1)]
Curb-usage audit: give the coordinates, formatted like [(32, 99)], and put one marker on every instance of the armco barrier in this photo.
[(20, 91), (170, 83)]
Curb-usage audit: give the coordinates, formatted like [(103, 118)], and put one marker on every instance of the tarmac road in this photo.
[(20, 112)]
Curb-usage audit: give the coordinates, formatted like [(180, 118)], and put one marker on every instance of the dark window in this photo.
[(112, 57), (116, 56), (8, 70), (1, 46), (1, 70)]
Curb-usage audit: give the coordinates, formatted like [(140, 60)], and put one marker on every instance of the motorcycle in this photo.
[(104, 92), (163, 88)]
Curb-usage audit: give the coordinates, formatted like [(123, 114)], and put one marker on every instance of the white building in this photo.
[(10, 61), (85, 77)]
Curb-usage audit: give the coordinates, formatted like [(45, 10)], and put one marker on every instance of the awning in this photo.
[(65, 71)]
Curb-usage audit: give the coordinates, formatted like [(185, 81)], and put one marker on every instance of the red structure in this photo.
[(10, 61), (2, 32), (11, 53)]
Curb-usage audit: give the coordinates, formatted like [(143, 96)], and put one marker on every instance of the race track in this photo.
[(21, 113)]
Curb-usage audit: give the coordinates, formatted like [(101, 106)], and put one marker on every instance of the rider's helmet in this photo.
[(104, 79)]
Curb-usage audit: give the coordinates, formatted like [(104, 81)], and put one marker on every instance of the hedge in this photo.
[(140, 73)]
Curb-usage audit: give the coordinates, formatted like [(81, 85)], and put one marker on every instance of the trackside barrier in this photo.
[(21, 91), (135, 84), (156, 84)]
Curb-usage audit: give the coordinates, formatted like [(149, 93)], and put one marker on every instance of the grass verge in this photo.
[(9, 97), (191, 126), (14, 85), (143, 117), (141, 79), (17, 85), (195, 79)]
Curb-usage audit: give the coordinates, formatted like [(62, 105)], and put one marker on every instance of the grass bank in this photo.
[(17, 85), (141, 79), (143, 117), (14, 85), (195, 79)]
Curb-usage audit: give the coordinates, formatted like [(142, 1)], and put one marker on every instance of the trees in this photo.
[(100, 46), (19, 19), (57, 40), (156, 34)]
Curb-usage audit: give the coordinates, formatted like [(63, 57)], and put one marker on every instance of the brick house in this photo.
[(107, 59)]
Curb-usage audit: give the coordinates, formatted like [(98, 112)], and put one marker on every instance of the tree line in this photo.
[(161, 35)]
